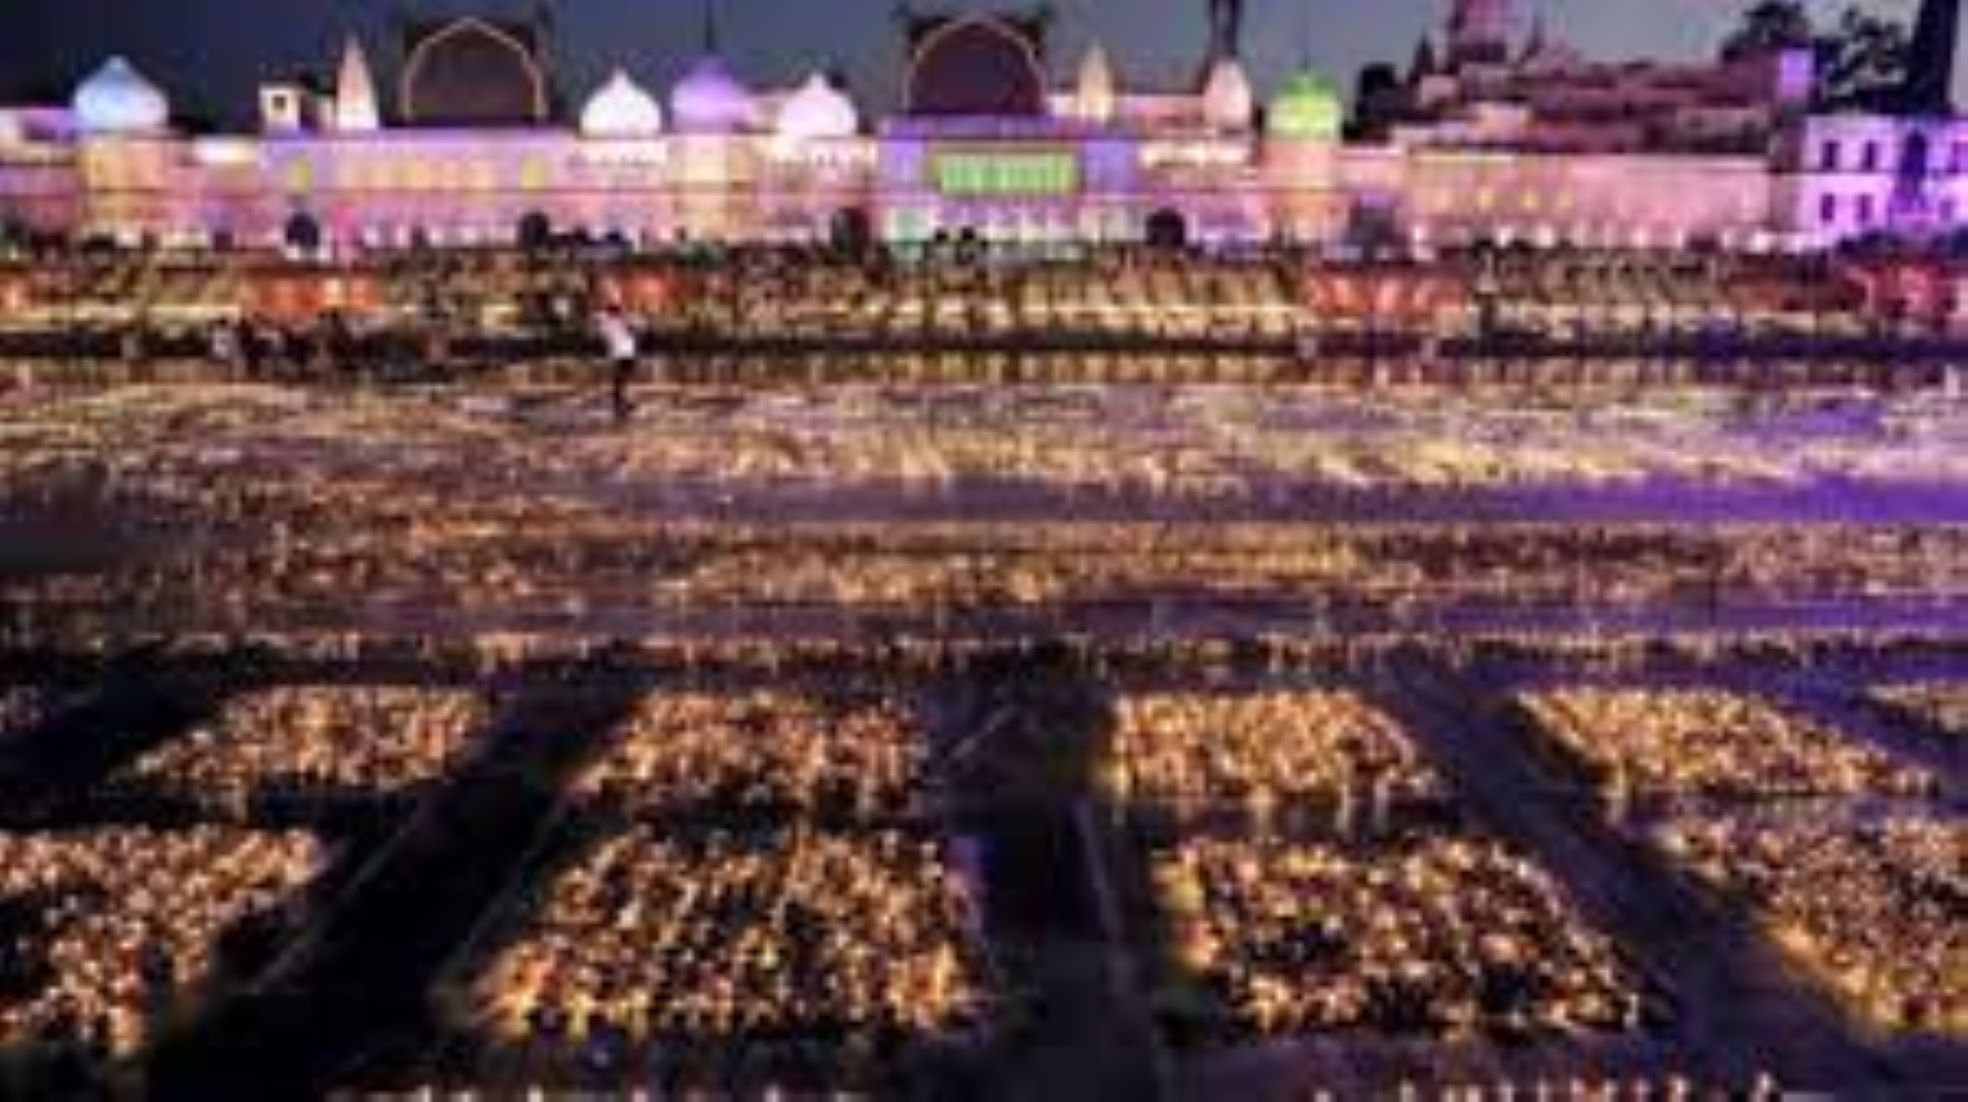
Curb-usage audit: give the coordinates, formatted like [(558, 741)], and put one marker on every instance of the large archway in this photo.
[(302, 232), (1167, 229), (851, 230), (977, 66), (471, 72)]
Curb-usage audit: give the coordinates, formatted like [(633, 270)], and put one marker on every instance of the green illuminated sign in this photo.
[(989, 175)]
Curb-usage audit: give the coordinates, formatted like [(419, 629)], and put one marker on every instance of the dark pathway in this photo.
[(1017, 741), (360, 983), (1739, 1011), (130, 711)]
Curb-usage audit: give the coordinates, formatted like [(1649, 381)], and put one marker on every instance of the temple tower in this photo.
[(356, 108), (1226, 30), (1929, 88), (1480, 31)]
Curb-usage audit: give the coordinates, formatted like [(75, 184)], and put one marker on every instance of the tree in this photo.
[(1770, 26), (1861, 58), (534, 232), (1862, 63), (303, 232), (1379, 98)]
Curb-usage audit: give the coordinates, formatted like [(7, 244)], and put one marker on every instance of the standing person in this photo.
[(250, 348), (222, 346), (619, 341)]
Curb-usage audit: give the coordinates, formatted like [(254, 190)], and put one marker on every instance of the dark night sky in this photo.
[(209, 54)]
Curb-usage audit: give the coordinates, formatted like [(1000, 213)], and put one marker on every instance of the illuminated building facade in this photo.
[(467, 138)]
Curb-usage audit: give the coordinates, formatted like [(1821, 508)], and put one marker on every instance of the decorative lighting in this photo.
[(118, 99), (621, 108), (818, 112), (711, 100), (1308, 108)]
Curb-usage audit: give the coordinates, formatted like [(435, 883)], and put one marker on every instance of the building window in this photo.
[(1827, 209), (300, 177), (533, 174), (1865, 210), (1828, 156), (1870, 163)]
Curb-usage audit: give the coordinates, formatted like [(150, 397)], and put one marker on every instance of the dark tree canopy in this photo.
[(1770, 26), (1862, 57), (1862, 63)]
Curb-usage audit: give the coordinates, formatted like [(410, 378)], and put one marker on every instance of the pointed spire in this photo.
[(1305, 37), (356, 109), (711, 43), (1094, 98), (1930, 62), (1480, 31), (1425, 63), (1229, 102), (1226, 29), (1539, 40)]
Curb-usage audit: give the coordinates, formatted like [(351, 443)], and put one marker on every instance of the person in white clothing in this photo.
[(619, 341)]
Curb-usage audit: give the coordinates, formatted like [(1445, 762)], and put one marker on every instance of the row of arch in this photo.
[(475, 71)]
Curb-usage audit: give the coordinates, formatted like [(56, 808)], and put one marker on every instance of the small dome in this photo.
[(818, 111), (1307, 108), (621, 109), (709, 100), (1228, 101), (119, 100)]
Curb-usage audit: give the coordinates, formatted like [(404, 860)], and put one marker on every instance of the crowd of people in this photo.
[(319, 739), (1435, 937), (1264, 750), (793, 934), (1938, 705), (1712, 743), (762, 751), (757, 294), (1617, 292), (961, 289), (103, 930), (764, 295), (1872, 910)]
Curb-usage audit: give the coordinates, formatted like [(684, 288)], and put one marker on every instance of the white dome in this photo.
[(621, 109), (1229, 103), (818, 111), (119, 100), (709, 100)]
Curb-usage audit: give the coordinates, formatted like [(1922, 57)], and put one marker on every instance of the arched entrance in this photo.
[(1168, 229), (851, 230), (1915, 159), (534, 231), (302, 232), (977, 65)]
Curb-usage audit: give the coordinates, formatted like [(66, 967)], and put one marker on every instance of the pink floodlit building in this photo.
[(1497, 133)]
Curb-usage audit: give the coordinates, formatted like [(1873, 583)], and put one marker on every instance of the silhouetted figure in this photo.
[(619, 341)]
